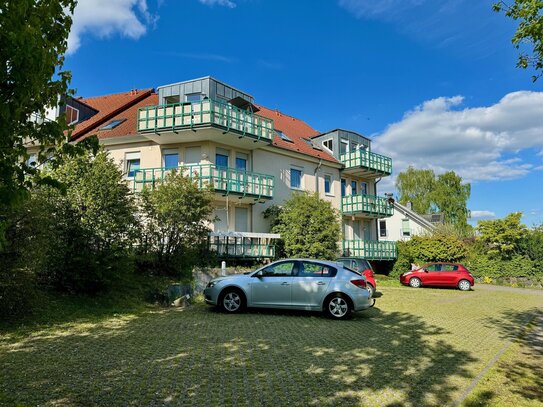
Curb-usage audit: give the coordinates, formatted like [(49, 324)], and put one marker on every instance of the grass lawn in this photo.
[(416, 347)]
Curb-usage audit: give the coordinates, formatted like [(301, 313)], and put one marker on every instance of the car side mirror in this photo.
[(257, 274), (425, 270)]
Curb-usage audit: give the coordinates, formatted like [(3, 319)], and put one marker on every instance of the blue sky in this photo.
[(433, 82)]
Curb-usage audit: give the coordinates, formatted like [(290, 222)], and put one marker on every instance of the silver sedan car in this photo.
[(294, 284)]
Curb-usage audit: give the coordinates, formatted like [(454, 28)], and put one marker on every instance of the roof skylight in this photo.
[(283, 135), (112, 124)]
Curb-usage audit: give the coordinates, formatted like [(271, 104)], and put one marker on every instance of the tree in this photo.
[(502, 237), (309, 227), (529, 31), (451, 196), (77, 238), (176, 215), (415, 186), (33, 34)]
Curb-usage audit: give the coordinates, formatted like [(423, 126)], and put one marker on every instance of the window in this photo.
[(329, 144), (279, 270), (353, 188), (406, 230), (132, 163), (283, 136), (328, 184), (433, 267), (112, 124), (241, 161), (343, 187), (194, 97), (170, 158), (343, 147), (72, 115), (315, 270), (449, 267), (311, 144), (295, 178), (382, 228), (221, 157), (169, 100), (192, 155), (364, 188)]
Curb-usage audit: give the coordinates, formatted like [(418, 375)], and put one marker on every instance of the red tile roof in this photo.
[(125, 106), (297, 130), (108, 107)]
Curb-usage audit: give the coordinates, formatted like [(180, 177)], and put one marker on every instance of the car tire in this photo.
[(464, 285), (415, 282), (337, 306), (371, 289), (232, 301)]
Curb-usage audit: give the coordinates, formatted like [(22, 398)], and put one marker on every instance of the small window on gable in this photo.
[(112, 124), (328, 144), (283, 136), (72, 115)]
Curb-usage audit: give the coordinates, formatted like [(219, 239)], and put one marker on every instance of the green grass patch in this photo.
[(515, 380), (414, 348)]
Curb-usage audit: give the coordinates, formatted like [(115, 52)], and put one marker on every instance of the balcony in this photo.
[(370, 249), (224, 180), (162, 123), (367, 164), (367, 205), (243, 245)]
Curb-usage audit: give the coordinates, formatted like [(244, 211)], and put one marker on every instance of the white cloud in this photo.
[(382, 8), (224, 3), (482, 214), (480, 143), (104, 18)]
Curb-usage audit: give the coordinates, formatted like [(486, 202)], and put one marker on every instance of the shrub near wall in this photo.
[(425, 249)]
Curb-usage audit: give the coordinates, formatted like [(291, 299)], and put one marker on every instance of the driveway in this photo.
[(417, 347)]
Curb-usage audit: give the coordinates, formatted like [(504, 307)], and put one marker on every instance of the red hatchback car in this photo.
[(439, 274), (363, 267)]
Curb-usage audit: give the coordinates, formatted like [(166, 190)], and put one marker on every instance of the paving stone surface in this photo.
[(417, 347)]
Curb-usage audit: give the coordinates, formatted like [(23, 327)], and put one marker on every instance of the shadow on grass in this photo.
[(201, 357)]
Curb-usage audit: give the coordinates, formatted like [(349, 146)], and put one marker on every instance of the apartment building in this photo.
[(253, 156)]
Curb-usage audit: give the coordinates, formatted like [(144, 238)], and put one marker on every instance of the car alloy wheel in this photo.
[(415, 282), (370, 289), (464, 285), (232, 301), (338, 307)]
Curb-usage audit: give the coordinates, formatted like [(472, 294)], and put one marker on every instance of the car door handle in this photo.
[(321, 283), (285, 283)]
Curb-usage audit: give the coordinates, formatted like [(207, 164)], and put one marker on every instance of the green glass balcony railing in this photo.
[(371, 249), (203, 113), (366, 204), (368, 161), (223, 179), (241, 248)]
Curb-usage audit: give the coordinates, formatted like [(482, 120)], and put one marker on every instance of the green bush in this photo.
[(425, 249), (18, 293)]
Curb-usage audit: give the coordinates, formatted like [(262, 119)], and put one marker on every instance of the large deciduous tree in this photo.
[(415, 186), (33, 38), (529, 32), (309, 227), (429, 194)]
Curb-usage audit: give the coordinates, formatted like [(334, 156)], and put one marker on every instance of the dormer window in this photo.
[(72, 115), (328, 144)]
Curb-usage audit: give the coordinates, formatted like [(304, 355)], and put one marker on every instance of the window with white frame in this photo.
[(329, 144), (296, 175), (72, 115), (383, 228), (343, 147), (406, 229), (170, 158), (132, 161), (328, 184)]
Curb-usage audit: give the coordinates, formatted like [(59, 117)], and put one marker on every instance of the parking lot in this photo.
[(416, 347)]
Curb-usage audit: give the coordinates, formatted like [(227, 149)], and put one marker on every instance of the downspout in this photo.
[(315, 175)]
